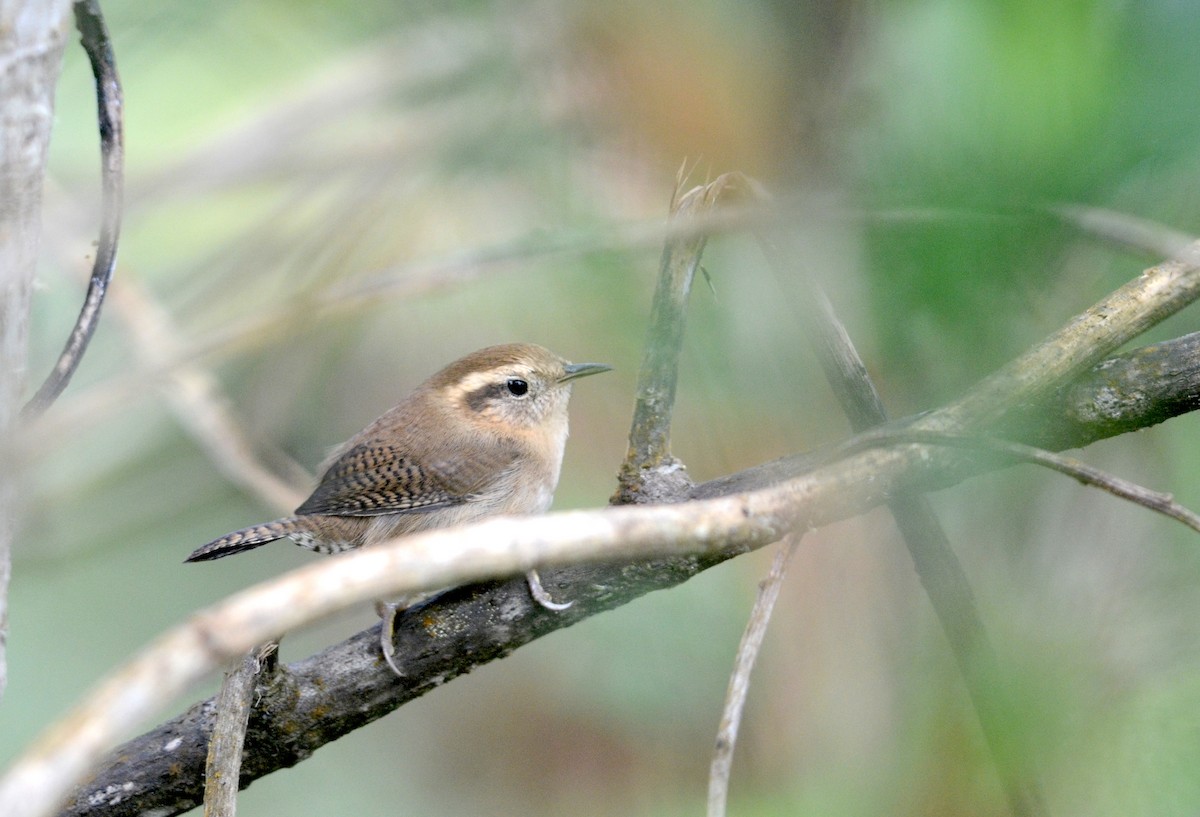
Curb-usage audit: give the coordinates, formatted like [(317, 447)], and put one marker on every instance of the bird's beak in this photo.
[(574, 370)]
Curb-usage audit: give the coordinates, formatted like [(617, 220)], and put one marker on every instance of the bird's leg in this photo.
[(541, 596), (388, 611)]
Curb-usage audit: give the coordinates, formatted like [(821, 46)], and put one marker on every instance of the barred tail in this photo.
[(246, 539)]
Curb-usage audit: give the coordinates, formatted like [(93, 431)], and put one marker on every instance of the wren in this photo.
[(482, 437)]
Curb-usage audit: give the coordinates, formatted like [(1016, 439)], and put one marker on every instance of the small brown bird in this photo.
[(484, 436)]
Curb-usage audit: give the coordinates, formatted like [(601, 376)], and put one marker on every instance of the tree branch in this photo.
[(1128, 392), (1152, 297), (323, 697), (739, 680), (1081, 472), (223, 763), (699, 532), (198, 403)]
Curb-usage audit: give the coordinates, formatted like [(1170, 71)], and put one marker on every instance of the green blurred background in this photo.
[(328, 201)]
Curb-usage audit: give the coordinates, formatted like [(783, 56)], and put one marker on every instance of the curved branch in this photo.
[(109, 102)]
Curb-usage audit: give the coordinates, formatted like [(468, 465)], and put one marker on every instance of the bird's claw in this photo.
[(541, 596), (387, 630)]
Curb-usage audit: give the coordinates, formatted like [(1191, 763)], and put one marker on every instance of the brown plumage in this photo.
[(483, 436), (460, 447)]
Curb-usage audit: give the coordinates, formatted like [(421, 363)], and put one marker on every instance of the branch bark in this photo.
[(223, 764), (649, 471)]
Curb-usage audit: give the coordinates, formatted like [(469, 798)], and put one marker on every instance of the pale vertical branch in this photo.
[(650, 432), (32, 36)]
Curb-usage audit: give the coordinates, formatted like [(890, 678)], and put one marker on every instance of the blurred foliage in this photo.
[(327, 202)]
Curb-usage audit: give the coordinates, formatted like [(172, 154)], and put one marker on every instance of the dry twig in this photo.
[(1083, 473), (196, 399), (649, 469), (739, 679)]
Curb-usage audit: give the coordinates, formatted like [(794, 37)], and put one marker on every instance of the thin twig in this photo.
[(423, 276), (1089, 475), (110, 107), (739, 679), (1130, 231), (371, 289)]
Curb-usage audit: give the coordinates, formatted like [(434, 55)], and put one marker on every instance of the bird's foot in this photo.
[(388, 610), (541, 596)]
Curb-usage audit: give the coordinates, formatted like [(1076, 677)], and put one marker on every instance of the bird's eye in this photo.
[(517, 387)]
